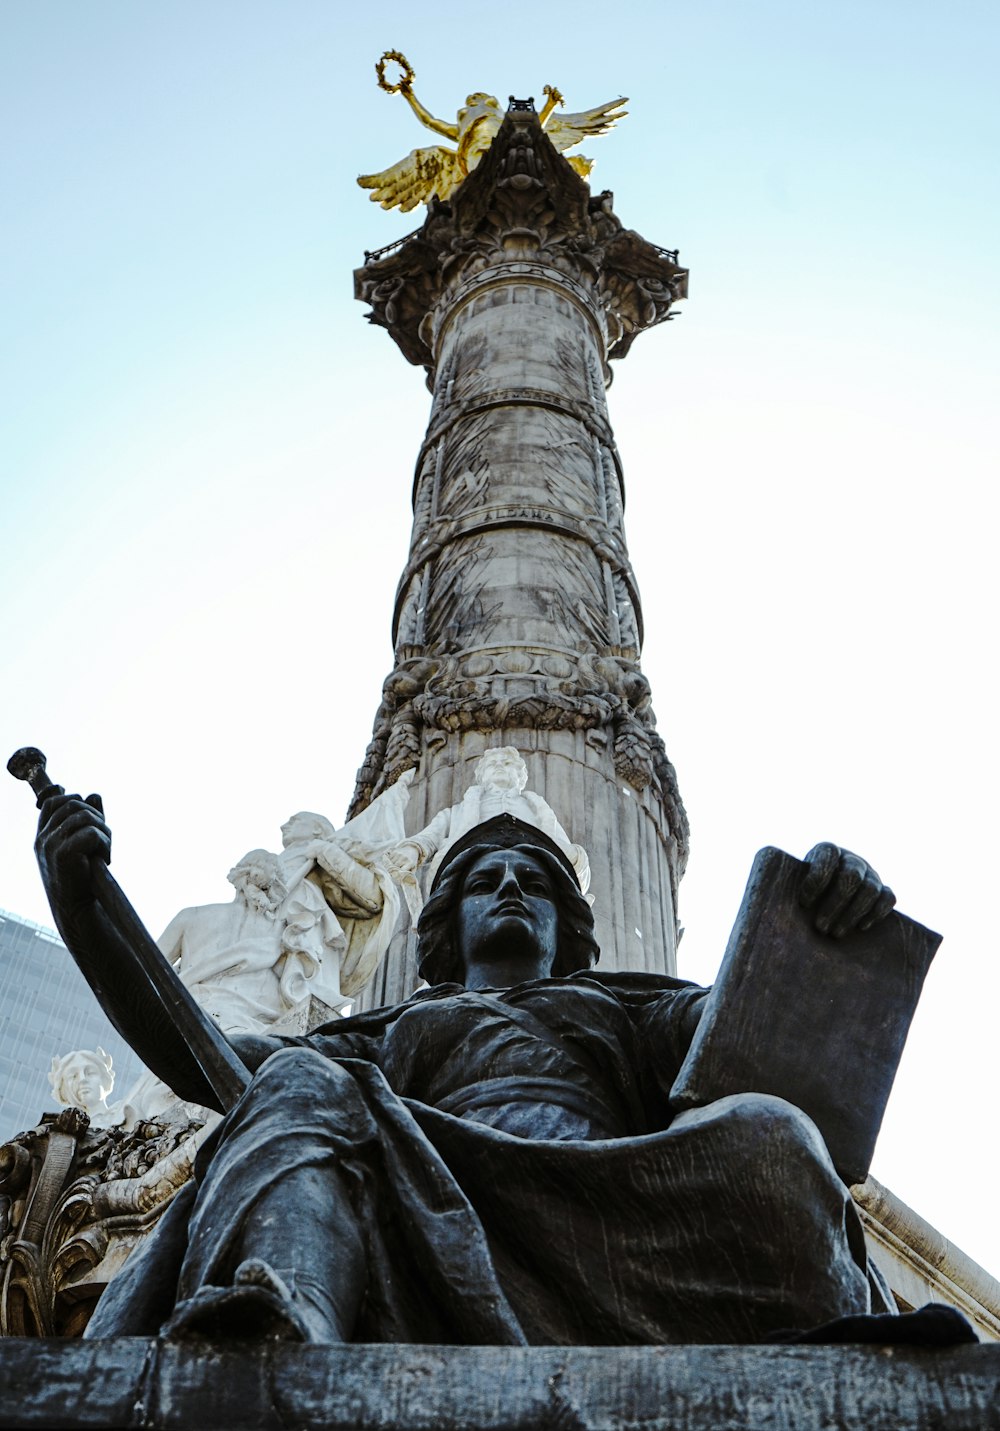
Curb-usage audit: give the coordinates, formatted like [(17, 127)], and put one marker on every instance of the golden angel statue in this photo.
[(437, 171)]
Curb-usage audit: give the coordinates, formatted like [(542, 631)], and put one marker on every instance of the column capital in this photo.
[(523, 210)]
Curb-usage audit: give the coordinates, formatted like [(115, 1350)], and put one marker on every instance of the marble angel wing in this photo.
[(565, 130), (422, 175)]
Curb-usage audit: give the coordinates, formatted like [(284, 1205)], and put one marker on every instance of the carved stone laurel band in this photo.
[(604, 546), (596, 694), (524, 397)]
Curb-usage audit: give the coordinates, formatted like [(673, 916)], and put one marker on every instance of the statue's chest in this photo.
[(439, 1048)]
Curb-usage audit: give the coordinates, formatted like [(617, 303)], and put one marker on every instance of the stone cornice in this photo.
[(524, 204)]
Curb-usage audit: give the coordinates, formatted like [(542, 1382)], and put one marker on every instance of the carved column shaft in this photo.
[(517, 535), (517, 618)]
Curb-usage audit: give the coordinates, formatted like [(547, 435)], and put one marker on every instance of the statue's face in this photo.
[(258, 882), (84, 1084), (297, 829), (508, 920), (502, 771), (249, 874)]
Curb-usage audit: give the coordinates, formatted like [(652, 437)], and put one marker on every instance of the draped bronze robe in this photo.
[(516, 1178)]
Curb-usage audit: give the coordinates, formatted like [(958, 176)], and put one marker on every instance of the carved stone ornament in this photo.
[(606, 696), (74, 1202)]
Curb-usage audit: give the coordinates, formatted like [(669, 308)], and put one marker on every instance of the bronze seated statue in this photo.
[(494, 1160)]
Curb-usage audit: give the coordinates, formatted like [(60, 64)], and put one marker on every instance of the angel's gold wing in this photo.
[(565, 130), (422, 175)]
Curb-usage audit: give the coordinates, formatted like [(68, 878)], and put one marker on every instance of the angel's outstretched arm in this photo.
[(552, 98), (439, 126)]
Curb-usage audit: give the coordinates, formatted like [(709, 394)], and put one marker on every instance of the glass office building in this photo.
[(46, 1008)]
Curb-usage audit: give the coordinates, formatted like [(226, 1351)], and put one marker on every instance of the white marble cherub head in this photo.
[(306, 826), (503, 768), (83, 1079), (257, 879)]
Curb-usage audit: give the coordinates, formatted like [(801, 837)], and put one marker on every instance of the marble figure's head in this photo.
[(299, 829), (257, 878), (503, 768), (82, 1079), (441, 956)]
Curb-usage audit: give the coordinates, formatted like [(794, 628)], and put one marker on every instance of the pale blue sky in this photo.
[(207, 453)]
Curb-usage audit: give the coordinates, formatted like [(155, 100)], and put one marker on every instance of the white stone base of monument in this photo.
[(922, 1266)]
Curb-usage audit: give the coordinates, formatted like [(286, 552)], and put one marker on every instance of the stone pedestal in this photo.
[(518, 618), (133, 1383)]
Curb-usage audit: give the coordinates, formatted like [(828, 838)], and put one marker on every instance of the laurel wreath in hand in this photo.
[(405, 79)]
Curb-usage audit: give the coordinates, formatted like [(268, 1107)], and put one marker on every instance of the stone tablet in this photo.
[(818, 1021)]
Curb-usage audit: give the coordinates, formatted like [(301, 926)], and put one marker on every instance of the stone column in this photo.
[(518, 618)]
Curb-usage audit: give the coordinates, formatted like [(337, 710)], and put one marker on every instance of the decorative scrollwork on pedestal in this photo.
[(74, 1201)]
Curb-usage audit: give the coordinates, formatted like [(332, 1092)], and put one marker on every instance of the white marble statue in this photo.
[(83, 1079), (341, 893), (498, 788), (313, 921), (231, 955)]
